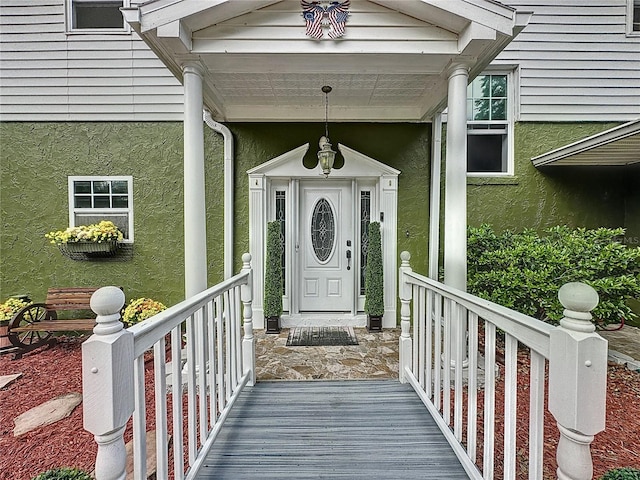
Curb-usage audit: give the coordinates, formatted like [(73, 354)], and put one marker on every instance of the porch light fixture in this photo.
[(326, 156)]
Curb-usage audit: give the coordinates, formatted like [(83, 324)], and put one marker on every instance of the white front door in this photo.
[(326, 250)]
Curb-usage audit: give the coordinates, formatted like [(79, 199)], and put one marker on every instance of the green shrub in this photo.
[(626, 473), (374, 278), (524, 271), (273, 272), (63, 473)]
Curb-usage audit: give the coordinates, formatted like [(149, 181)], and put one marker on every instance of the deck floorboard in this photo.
[(330, 429)]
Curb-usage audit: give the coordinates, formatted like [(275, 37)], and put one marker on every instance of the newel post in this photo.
[(577, 381), (248, 342), (405, 291), (107, 383)]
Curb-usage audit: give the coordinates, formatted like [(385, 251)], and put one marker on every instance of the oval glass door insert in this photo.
[(323, 230)]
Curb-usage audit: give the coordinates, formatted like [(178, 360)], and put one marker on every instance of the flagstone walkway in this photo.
[(375, 357)]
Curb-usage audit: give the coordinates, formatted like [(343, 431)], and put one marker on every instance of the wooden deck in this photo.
[(330, 429)]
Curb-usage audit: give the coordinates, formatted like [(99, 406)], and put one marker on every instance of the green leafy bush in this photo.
[(626, 473), (374, 278), (63, 473), (273, 272), (524, 271)]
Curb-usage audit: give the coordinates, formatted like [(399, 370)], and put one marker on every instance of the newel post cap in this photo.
[(107, 302), (578, 299)]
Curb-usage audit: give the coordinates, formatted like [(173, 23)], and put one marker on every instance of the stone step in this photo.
[(47, 413)]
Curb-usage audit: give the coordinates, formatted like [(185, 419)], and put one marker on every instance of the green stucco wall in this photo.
[(37, 158), (537, 199)]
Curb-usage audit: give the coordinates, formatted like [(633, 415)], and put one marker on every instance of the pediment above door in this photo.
[(290, 165)]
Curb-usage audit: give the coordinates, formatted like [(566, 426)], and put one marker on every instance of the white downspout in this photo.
[(434, 204), (228, 190)]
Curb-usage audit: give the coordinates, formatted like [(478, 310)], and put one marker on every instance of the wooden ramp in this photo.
[(330, 429)]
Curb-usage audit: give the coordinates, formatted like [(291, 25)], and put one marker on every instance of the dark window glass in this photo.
[(101, 201), (120, 201), (82, 187), (323, 230), (486, 153), (100, 187), (281, 217), (82, 201), (365, 218), (119, 186), (103, 14)]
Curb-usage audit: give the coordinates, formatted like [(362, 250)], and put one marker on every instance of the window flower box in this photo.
[(97, 240)]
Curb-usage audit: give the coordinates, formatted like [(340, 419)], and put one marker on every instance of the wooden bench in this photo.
[(34, 325)]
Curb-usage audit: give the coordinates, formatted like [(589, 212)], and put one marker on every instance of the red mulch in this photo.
[(54, 371)]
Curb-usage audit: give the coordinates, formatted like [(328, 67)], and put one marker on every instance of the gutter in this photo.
[(228, 190)]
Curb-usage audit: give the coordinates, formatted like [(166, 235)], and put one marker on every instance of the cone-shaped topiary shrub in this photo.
[(374, 277), (273, 272), (63, 473)]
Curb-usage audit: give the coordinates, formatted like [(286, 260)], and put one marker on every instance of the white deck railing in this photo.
[(449, 357), (118, 382)]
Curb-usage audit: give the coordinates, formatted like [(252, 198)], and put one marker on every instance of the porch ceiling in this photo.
[(618, 146), (391, 64)]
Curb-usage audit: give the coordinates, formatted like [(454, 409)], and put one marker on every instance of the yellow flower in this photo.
[(9, 308), (140, 309), (105, 231)]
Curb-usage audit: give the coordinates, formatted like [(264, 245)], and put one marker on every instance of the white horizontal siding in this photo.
[(47, 74), (575, 62)]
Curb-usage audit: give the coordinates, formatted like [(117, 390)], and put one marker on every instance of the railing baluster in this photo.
[(446, 367), (139, 420), (458, 312), (176, 401), (203, 420), (429, 323), (510, 405), (232, 341), (489, 399), (220, 339), (238, 330), (536, 415), (472, 387), (228, 357), (192, 436), (422, 335), (437, 355), (160, 384), (213, 364)]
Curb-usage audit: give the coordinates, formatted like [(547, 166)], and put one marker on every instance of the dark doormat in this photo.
[(321, 336)]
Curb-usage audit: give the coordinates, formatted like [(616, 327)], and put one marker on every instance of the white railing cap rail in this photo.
[(147, 333), (530, 331)]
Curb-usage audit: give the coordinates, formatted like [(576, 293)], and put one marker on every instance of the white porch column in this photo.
[(455, 208), (195, 227)]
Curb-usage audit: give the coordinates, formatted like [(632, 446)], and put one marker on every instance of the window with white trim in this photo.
[(490, 125), (94, 16), (633, 17), (93, 199)]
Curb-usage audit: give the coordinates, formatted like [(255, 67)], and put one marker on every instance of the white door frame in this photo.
[(285, 173)]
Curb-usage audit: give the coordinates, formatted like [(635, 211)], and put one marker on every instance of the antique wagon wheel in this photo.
[(27, 317)]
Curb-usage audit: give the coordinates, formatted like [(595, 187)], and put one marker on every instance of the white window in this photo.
[(94, 16), (490, 125), (93, 199), (633, 17)]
